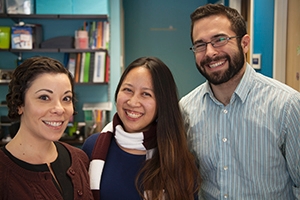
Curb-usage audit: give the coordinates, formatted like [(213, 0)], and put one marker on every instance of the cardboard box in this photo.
[(91, 7), (4, 37), (2, 6), (79, 7), (20, 7), (28, 36), (21, 37), (54, 7)]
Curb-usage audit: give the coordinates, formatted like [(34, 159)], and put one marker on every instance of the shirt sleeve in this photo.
[(292, 150)]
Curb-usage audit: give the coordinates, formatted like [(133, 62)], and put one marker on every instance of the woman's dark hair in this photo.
[(25, 74), (172, 166), (238, 24)]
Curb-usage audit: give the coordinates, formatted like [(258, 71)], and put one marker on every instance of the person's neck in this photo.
[(132, 151), (32, 151), (223, 92)]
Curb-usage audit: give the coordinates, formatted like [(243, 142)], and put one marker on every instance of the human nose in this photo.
[(133, 101), (57, 108), (210, 49)]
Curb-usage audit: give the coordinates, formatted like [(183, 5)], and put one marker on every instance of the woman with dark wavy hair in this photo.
[(143, 152), (34, 165)]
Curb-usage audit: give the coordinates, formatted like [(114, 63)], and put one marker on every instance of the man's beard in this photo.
[(235, 65)]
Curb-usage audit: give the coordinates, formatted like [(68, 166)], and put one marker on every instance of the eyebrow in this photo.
[(50, 91), (144, 88)]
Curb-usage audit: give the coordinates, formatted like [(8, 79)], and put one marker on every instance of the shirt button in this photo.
[(225, 167), (225, 111), (79, 192), (225, 196), (224, 139), (72, 171)]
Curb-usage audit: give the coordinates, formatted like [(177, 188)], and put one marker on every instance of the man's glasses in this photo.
[(216, 42)]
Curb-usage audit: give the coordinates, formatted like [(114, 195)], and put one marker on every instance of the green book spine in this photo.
[(86, 67)]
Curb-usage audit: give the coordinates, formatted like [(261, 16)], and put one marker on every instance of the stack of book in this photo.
[(89, 67), (98, 34)]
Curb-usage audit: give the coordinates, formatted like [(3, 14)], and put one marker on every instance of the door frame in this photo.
[(280, 32)]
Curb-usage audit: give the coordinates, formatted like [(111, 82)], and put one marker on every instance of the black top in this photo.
[(59, 167)]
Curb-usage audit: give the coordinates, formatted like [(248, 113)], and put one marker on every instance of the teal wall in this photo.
[(147, 34), (263, 28)]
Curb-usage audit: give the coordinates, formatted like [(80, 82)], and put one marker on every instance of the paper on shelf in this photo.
[(97, 106)]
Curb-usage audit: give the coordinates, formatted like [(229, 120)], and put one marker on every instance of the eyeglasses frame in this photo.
[(212, 44)]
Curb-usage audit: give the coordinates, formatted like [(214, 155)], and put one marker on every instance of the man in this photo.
[(243, 127)]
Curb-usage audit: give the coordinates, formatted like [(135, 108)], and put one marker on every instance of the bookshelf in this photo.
[(85, 92)]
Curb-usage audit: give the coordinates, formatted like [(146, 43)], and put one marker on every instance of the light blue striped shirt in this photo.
[(249, 149)]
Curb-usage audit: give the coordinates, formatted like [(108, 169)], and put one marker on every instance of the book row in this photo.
[(93, 35), (89, 67), (98, 34)]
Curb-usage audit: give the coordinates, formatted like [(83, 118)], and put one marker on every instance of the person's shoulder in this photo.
[(91, 139), (108, 127), (194, 94), (275, 85), (71, 148), (89, 144), (75, 152), (3, 158), (4, 173)]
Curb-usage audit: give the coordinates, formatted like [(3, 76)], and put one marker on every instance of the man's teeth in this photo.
[(133, 115), (54, 123), (216, 64)]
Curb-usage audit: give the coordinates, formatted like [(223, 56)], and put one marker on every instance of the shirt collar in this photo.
[(242, 89), (246, 83)]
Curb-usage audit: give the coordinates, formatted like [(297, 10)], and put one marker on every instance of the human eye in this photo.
[(67, 98), (44, 97), (220, 40), (200, 46), (146, 94), (126, 89)]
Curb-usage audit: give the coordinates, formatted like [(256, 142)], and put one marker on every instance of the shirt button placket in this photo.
[(225, 140)]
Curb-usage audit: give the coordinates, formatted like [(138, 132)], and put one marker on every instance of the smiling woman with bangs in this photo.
[(34, 165)]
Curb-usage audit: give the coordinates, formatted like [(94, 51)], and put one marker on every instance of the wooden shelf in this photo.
[(50, 16), (79, 50), (6, 124), (54, 50)]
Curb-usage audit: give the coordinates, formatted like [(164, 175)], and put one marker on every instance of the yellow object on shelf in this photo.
[(4, 37)]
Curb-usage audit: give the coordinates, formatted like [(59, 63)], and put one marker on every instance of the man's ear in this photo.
[(245, 42)]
